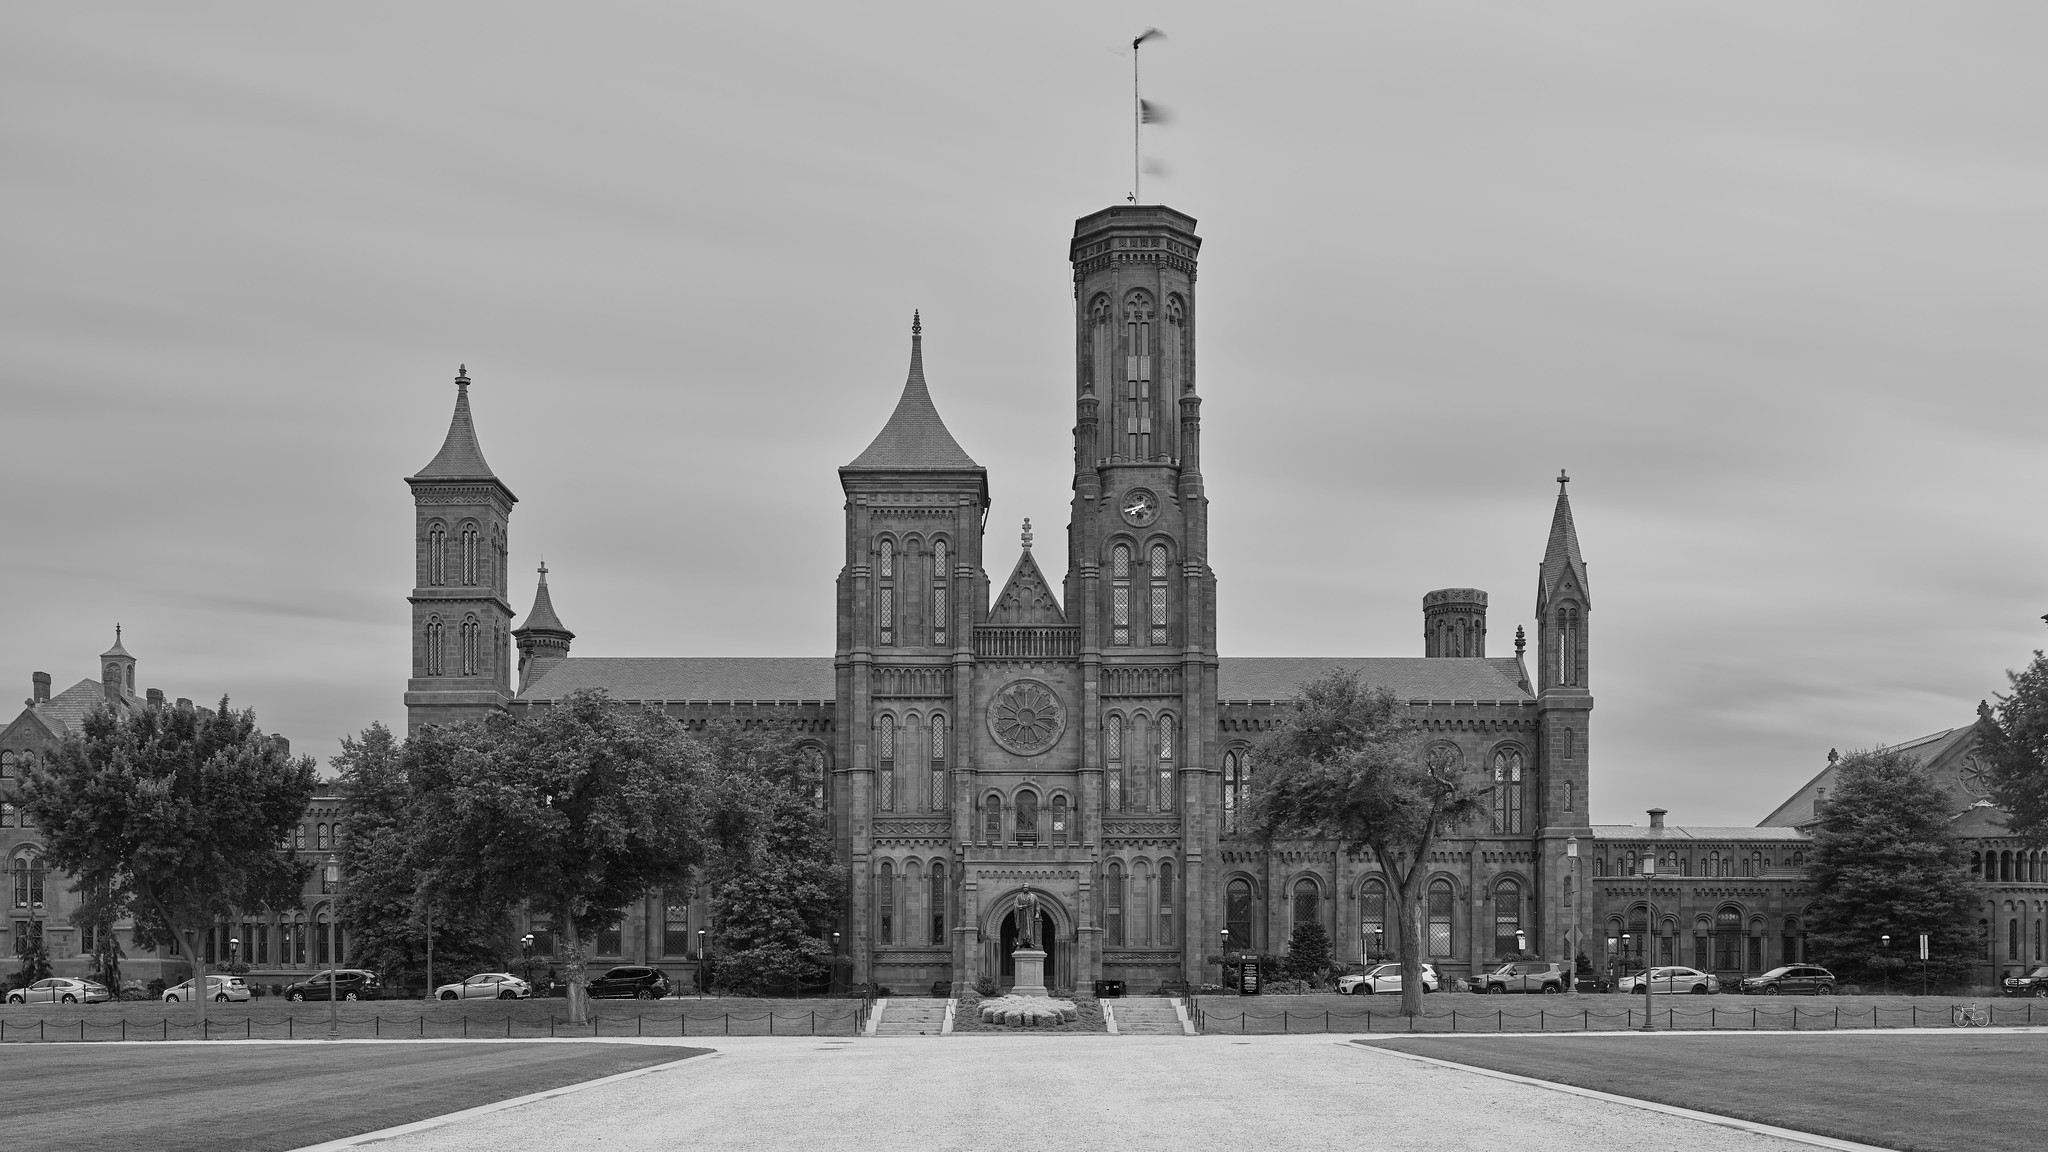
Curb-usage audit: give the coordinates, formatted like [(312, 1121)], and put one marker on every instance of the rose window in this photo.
[(1026, 717)]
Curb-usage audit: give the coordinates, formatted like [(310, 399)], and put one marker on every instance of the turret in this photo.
[(543, 641), (117, 671), (1454, 622)]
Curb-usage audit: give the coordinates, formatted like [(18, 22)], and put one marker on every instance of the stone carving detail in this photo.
[(1162, 680), (1026, 717), (917, 828), (1442, 757), (1153, 828), (913, 681)]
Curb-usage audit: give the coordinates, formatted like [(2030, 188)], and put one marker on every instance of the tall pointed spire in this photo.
[(461, 457), (914, 437), (1561, 554)]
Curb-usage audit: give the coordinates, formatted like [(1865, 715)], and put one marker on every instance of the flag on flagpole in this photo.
[(1152, 112)]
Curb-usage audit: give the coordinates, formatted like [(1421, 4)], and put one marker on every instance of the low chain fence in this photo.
[(458, 1025), (1792, 1018)]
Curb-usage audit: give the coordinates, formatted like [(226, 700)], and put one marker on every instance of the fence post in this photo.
[(1795, 1017), (728, 1023), (1838, 1017), (814, 1021), (684, 1020), (248, 1028), (1752, 1019), (1631, 1017), (376, 1025), (1285, 1024), (771, 1022), (1326, 1019), (124, 1028), (508, 1027), (1585, 1019), (1454, 1019), (551, 1023), (465, 1026), (1500, 1020), (423, 1025)]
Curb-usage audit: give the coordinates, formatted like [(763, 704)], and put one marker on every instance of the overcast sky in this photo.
[(1769, 279)]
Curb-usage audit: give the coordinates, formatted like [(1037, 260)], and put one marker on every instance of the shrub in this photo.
[(133, 993), (277, 989), (1289, 987), (1308, 951), (156, 987), (986, 985)]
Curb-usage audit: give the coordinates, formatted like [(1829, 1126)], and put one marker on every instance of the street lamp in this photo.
[(1649, 929), (703, 985), (835, 963), (526, 955), (333, 953), (1887, 963), (1571, 910)]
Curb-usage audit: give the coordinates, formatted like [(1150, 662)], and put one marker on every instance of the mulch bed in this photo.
[(967, 1017)]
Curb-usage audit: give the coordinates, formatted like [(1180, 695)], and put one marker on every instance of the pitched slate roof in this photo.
[(1798, 808), (1027, 598), (1561, 552), (1409, 678), (914, 439), (542, 617), (1693, 832), (460, 457), (681, 678), (66, 711)]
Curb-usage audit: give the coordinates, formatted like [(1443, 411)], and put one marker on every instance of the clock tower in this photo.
[(1139, 582)]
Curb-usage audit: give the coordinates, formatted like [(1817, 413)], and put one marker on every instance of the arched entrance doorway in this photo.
[(1048, 939)]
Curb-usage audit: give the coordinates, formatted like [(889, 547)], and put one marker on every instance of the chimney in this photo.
[(156, 697), (1656, 819), (41, 680)]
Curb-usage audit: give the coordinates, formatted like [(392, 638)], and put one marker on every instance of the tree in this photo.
[(1345, 765), (774, 888), (387, 906), (573, 810), (1886, 863), (2013, 739), (181, 814), (1308, 951), (95, 916)]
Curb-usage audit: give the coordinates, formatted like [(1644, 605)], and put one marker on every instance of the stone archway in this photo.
[(1057, 935), (1048, 939)]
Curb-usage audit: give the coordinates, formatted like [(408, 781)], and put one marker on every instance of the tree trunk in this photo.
[(1412, 936), (578, 995)]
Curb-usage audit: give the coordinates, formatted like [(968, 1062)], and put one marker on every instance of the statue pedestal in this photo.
[(1030, 972)]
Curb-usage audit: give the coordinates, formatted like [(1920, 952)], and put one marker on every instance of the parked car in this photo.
[(1672, 980), (220, 987), (2034, 983), (348, 984), (630, 982), (1807, 979), (1385, 978), (1526, 976), (486, 986), (61, 990)]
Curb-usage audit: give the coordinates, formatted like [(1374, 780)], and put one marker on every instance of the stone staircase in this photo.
[(912, 1016), (1146, 1016)]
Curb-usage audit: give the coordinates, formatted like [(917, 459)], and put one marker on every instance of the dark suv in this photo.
[(2034, 983), (349, 984), (630, 982), (1527, 976), (1792, 980)]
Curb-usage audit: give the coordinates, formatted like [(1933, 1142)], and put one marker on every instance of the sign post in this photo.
[(1923, 963)]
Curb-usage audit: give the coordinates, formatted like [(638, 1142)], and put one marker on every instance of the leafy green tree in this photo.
[(35, 963), (96, 915), (1308, 952), (1346, 765), (2013, 739), (1886, 863), (181, 814), (775, 890), (388, 906), (573, 811)]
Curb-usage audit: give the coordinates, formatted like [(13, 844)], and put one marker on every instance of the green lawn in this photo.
[(1962, 1091), (273, 1019), (257, 1098)]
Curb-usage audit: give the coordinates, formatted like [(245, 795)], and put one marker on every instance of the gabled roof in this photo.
[(460, 457), (542, 618), (1798, 808), (1027, 598), (914, 439), (65, 711), (1410, 678)]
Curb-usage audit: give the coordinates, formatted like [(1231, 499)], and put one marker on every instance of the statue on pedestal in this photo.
[(1026, 909)]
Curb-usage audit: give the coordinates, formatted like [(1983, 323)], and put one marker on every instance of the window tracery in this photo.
[(1113, 905), (1507, 790), (1442, 899), (937, 799), (1159, 593), (885, 755), (941, 580), (1237, 914), (1138, 405), (1113, 756), (885, 593), (1120, 595), (1163, 799)]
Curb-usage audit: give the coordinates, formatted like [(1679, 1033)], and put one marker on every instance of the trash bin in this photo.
[(1108, 989)]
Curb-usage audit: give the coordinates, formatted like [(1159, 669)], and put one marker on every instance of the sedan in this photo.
[(486, 986), (1792, 979), (1385, 978), (2034, 983), (1668, 980), (222, 988), (61, 990)]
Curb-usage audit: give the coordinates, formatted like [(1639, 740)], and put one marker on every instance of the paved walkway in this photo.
[(1120, 1092)]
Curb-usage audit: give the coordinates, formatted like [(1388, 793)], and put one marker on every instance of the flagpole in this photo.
[(1137, 118)]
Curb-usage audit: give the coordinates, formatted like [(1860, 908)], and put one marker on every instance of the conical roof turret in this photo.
[(460, 457), (117, 650), (542, 618), (914, 439)]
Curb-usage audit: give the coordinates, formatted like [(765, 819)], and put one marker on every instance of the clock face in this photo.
[(1139, 507)]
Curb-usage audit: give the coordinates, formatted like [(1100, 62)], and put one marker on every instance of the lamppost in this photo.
[(1617, 957), (1521, 941), (1649, 930), (835, 961), (526, 956), (1571, 909), (1887, 963), (703, 984), (332, 943)]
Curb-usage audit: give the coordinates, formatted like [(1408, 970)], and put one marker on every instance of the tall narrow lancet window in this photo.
[(1568, 645), (1059, 820), (1440, 909), (1027, 817), (1507, 916), (885, 759), (1120, 595), (941, 577), (471, 554), (1162, 799), (1113, 905), (437, 647), (1165, 903), (936, 800), (992, 819), (1308, 903), (938, 902), (814, 770), (1173, 354), (1237, 914), (470, 646), (1507, 790), (1102, 333), (1113, 757), (1158, 573), (1571, 789), (1230, 792), (437, 555), (885, 592), (885, 904), (1138, 319), (1372, 919)]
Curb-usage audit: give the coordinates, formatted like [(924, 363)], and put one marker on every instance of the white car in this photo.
[(224, 988), (1385, 978), (61, 990), (1672, 980), (486, 986)]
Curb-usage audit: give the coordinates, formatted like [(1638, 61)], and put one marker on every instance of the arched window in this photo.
[(1372, 919), (330, 877), (320, 836), (1568, 645), (885, 592), (1571, 743), (299, 837), (1507, 916), (885, 758), (1113, 756), (1628, 865), (1120, 595), (814, 774), (938, 902), (437, 555), (1756, 863), (1163, 797), (1713, 864), (1571, 793), (1441, 905), (941, 579), (1159, 587), (1237, 914), (1789, 943), (1231, 786), (7, 814), (1728, 939), (1113, 905), (937, 799), (28, 879), (1507, 790), (470, 646), (1027, 817), (992, 818), (1166, 903), (1059, 820), (6, 764), (1308, 902), (436, 647), (470, 554), (2012, 939), (1138, 318), (885, 904)]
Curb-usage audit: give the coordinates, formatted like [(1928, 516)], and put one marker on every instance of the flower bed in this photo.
[(1077, 1014)]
